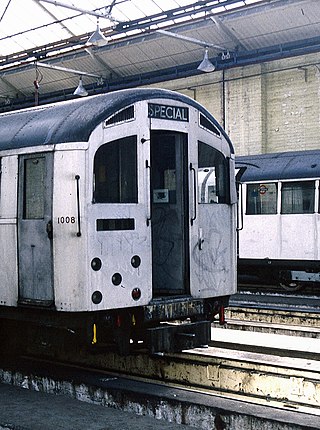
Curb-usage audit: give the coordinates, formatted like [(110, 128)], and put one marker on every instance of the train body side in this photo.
[(281, 220)]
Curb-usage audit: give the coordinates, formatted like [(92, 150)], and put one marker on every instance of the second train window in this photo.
[(297, 197)]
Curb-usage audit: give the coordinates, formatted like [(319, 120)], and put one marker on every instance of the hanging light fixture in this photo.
[(206, 65), (97, 38), (80, 90)]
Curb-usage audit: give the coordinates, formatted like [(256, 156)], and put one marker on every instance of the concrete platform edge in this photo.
[(203, 411)]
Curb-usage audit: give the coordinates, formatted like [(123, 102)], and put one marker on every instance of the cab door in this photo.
[(169, 213), (35, 229)]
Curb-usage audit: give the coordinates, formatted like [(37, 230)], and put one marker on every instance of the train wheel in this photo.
[(292, 286), (287, 283)]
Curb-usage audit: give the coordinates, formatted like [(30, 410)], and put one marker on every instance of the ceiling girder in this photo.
[(237, 59)]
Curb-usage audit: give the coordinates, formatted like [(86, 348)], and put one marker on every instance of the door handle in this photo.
[(49, 229), (193, 170), (149, 215), (77, 178)]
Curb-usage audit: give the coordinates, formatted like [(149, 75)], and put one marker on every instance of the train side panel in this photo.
[(298, 237), (260, 234), (71, 283), (279, 242), (8, 231), (279, 236)]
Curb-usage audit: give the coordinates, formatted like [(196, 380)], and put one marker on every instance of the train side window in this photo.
[(262, 199), (297, 197), (34, 188), (115, 172), (212, 175)]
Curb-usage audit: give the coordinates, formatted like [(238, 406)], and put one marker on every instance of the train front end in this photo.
[(161, 224)]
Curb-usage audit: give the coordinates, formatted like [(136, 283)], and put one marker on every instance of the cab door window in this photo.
[(34, 188), (115, 172), (212, 175)]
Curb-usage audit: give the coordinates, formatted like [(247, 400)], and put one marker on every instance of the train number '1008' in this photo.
[(66, 220)]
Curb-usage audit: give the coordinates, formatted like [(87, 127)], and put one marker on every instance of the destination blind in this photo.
[(173, 113)]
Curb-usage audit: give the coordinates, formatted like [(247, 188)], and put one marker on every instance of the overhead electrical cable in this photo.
[(5, 10)]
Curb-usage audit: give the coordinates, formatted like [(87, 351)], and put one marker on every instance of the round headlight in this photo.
[(135, 261), (96, 297), (96, 264), (116, 279)]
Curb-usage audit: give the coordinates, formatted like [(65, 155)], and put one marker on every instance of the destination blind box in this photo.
[(173, 113)]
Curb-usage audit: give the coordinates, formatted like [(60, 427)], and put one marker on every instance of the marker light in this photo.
[(136, 293)]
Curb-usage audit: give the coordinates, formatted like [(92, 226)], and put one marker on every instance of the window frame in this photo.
[(259, 185), (220, 178), (120, 148), (313, 201)]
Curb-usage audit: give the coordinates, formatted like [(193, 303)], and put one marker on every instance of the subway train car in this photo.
[(279, 239), (118, 218)]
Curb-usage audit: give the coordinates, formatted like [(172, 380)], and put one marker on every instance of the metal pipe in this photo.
[(191, 40), (64, 69)]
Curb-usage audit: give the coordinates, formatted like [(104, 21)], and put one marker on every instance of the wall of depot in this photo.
[(267, 107)]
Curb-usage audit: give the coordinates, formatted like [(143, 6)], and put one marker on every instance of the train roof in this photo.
[(282, 165), (74, 120)]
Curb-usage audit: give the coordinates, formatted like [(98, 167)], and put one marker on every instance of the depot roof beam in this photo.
[(67, 70), (192, 40), (78, 9)]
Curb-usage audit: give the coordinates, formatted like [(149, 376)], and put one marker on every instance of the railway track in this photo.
[(263, 369), (276, 301), (258, 368), (272, 372), (275, 313)]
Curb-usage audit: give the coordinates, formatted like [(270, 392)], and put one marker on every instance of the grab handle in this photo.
[(77, 178), (193, 170), (240, 208), (149, 216)]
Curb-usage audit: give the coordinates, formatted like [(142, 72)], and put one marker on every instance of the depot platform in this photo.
[(34, 397), (23, 409)]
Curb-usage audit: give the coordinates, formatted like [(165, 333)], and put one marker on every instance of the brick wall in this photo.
[(269, 107)]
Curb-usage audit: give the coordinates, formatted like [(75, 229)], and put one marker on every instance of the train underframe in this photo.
[(291, 275), (162, 326)]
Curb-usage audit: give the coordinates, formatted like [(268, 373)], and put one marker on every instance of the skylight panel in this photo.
[(148, 7), (130, 10), (234, 5), (170, 4), (35, 23)]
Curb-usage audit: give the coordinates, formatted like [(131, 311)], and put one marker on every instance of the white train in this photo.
[(280, 237), (118, 212)]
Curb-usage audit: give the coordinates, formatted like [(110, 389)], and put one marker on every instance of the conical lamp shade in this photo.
[(80, 90), (206, 65), (97, 38)]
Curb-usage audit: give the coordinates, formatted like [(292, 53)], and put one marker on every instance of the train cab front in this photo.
[(163, 223)]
